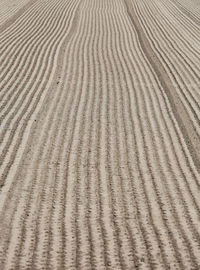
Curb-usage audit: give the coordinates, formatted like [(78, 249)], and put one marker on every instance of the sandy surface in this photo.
[(99, 134)]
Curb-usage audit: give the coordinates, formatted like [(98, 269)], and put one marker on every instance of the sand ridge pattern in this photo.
[(99, 134)]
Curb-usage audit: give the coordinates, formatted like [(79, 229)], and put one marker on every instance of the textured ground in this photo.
[(99, 134)]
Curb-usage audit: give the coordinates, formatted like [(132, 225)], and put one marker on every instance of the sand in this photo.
[(99, 134)]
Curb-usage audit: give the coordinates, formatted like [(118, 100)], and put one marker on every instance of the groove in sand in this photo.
[(99, 135)]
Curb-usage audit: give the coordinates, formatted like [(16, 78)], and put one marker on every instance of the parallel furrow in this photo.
[(99, 134)]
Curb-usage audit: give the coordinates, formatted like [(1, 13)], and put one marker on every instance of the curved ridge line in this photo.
[(187, 12), (16, 15), (177, 107), (72, 30)]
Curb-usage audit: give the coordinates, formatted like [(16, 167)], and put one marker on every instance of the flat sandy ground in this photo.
[(99, 134)]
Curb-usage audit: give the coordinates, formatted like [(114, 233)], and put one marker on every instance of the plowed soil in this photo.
[(99, 134)]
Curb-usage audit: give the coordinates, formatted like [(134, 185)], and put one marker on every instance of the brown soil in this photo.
[(99, 134)]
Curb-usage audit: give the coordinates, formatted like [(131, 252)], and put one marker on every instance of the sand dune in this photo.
[(99, 134)]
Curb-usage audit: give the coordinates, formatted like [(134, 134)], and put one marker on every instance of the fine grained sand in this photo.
[(99, 134)]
